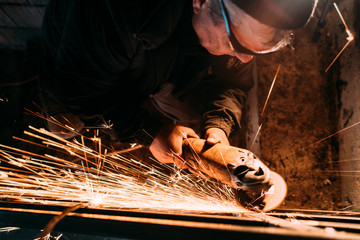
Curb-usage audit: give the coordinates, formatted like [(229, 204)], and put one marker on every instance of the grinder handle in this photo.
[(237, 167)]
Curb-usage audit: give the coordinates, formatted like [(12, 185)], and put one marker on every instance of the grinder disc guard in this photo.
[(266, 200), (256, 186)]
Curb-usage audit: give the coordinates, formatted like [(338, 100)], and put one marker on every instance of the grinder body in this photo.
[(239, 168)]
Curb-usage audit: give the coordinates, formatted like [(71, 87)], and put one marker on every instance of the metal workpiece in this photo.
[(239, 168), (96, 224)]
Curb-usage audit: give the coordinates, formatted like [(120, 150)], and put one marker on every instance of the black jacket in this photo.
[(106, 57)]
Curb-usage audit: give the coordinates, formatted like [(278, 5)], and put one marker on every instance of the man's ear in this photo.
[(197, 4)]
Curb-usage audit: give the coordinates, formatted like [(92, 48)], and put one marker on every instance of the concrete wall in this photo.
[(20, 20), (349, 119)]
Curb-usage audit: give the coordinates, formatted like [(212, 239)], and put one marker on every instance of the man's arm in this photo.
[(224, 95)]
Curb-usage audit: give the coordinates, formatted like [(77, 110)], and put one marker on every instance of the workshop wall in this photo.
[(302, 115), (20, 20), (20, 31), (349, 113)]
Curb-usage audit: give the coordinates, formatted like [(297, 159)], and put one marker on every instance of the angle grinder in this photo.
[(256, 186)]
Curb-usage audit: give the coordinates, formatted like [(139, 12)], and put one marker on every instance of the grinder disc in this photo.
[(276, 194), (269, 200)]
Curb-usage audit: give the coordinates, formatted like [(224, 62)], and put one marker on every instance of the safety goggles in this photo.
[(238, 47)]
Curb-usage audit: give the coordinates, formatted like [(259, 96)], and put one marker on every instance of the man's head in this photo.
[(243, 28)]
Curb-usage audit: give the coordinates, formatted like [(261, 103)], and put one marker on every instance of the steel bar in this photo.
[(131, 224)]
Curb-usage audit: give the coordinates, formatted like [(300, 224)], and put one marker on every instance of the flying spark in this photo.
[(349, 38), (8, 229), (102, 180), (92, 178)]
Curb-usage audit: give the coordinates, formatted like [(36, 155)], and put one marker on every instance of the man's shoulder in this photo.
[(138, 13), (150, 21), (234, 71)]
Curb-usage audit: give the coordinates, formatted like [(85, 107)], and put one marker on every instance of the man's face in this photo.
[(249, 33)]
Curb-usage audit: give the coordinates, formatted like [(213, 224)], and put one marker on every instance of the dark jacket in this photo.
[(106, 57)]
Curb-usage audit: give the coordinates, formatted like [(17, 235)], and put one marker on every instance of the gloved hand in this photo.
[(167, 145), (216, 135)]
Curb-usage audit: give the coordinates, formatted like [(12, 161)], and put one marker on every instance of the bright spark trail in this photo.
[(95, 179), (349, 38), (101, 180)]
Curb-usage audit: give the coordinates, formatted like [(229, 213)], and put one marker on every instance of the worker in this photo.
[(110, 63)]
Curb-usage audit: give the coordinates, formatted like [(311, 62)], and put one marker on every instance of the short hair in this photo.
[(215, 12), (280, 14)]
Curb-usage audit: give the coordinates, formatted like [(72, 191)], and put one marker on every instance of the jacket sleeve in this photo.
[(224, 93)]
